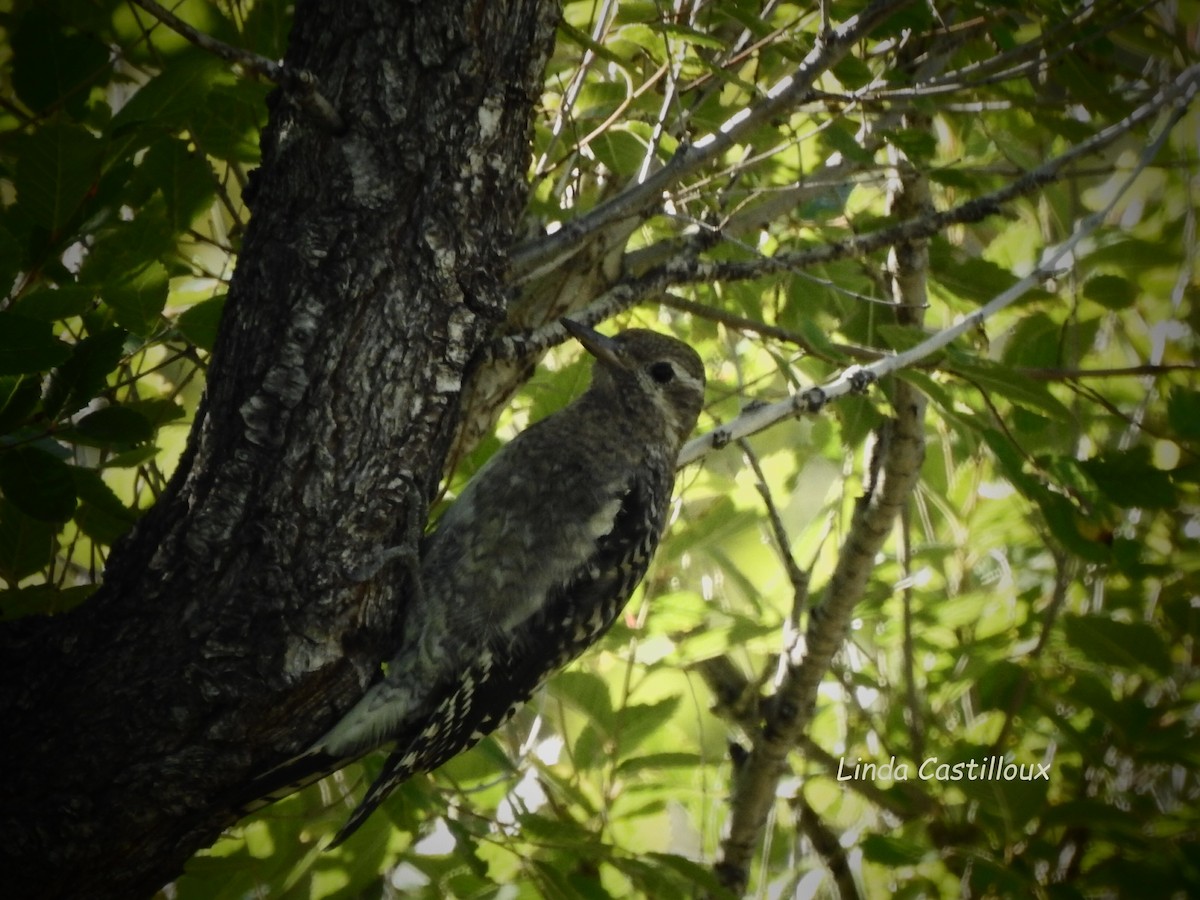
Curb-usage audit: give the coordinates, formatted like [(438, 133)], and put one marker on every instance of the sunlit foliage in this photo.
[(1039, 600)]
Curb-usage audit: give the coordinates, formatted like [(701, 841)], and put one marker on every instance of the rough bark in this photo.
[(242, 614)]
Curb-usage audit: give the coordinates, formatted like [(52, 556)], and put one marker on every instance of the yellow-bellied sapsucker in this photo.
[(528, 568)]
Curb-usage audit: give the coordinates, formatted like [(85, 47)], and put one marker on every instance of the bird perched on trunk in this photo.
[(527, 569)]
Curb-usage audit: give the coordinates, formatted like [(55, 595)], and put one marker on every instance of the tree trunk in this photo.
[(242, 614)]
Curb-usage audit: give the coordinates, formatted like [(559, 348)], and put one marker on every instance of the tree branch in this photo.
[(550, 251), (300, 83), (901, 451), (828, 847), (857, 377), (687, 268)]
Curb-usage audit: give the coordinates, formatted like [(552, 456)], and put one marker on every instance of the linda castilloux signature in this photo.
[(989, 768)]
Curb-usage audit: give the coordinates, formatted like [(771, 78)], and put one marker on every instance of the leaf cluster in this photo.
[(123, 158)]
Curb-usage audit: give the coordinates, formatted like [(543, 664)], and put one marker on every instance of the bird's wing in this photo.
[(473, 703)]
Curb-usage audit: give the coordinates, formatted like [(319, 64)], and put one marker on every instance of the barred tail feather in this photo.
[(401, 764), (289, 777), (376, 794)]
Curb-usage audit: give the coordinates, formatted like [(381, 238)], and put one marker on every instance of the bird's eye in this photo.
[(662, 372)]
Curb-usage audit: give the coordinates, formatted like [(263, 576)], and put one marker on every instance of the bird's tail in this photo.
[(289, 777), (389, 779), (399, 766)]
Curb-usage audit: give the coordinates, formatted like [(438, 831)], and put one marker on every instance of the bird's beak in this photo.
[(605, 349)]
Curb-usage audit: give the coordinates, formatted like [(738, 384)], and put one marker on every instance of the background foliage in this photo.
[(1038, 600)]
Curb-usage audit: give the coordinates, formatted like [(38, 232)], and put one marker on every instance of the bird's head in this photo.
[(644, 371)]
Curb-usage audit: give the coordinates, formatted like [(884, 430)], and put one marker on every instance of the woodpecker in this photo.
[(529, 567)]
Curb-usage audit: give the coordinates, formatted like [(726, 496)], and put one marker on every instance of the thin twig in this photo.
[(783, 543), (1177, 95), (914, 714), (1064, 576), (762, 329), (687, 269), (856, 378), (1149, 369), (544, 253)]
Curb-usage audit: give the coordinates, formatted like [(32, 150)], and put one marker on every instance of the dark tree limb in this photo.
[(235, 622)]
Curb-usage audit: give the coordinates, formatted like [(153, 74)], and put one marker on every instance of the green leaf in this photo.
[(1035, 342), (972, 278), (265, 27), (1129, 479), (890, 851), (991, 879), (656, 762), (37, 483), (954, 178), (92, 489), (1110, 291), (484, 763), (113, 425), (636, 721), (1011, 462), (903, 337), (587, 693), (853, 72), (40, 599), (1128, 645), (228, 124), (131, 459), (620, 151), (1091, 92), (57, 166), (1134, 255), (580, 38), (558, 832), (838, 137), (12, 254), (954, 417), (1183, 412), (998, 684), (83, 376), (52, 304), (1018, 388), (1066, 524), (184, 178), (139, 301), (693, 874), (915, 143), (123, 248), (171, 97), (666, 875), (19, 397), (27, 345), (100, 526), (200, 323), (50, 66), (158, 411), (1087, 813), (26, 544), (692, 36)]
